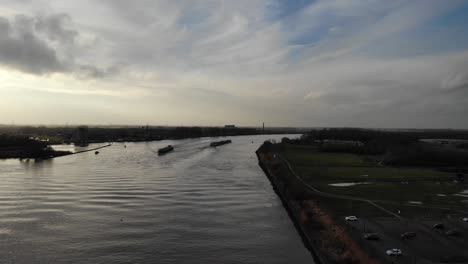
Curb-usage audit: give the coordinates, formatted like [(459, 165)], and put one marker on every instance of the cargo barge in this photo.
[(165, 150), (219, 143)]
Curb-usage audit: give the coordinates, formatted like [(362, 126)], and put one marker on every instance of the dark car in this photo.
[(372, 236), (408, 235), (453, 232), (438, 226)]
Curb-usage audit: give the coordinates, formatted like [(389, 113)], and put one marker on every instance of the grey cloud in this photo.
[(339, 98), (403, 106), (205, 35), (368, 70), (86, 71), (428, 87), (44, 45), (55, 26), (456, 82), (93, 72), (21, 48)]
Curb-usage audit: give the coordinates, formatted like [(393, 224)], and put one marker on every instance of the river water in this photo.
[(129, 205)]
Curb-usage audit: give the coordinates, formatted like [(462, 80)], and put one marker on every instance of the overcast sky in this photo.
[(360, 63)]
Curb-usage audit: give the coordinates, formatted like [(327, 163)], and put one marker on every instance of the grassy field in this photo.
[(397, 186), (398, 200), (309, 156)]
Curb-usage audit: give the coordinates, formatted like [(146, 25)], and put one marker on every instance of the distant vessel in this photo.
[(165, 150), (219, 143)]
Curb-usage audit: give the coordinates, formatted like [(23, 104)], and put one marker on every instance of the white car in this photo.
[(394, 252), (350, 218), (465, 219)]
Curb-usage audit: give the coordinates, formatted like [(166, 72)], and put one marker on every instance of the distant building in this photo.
[(229, 126)]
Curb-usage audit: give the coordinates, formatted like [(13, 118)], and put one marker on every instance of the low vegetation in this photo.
[(394, 148), (26, 147), (364, 176)]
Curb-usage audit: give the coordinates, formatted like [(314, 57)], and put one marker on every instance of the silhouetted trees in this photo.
[(89, 134), (401, 148), (24, 147), (425, 154)]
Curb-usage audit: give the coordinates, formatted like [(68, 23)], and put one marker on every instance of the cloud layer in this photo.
[(366, 63), (22, 47)]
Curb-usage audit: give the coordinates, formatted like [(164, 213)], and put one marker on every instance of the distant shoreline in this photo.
[(34, 142), (82, 151)]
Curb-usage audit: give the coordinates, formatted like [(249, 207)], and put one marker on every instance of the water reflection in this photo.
[(129, 205)]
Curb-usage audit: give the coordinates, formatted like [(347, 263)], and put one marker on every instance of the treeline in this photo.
[(361, 135), (85, 134), (359, 141), (440, 134), (365, 135), (99, 134), (426, 154), (398, 148), (12, 146), (19, 141)]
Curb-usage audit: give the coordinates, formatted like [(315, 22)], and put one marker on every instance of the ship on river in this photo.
[(219, 143), (165, 150)]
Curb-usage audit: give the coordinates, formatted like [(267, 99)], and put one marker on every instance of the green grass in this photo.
[(308, 156), (425, 192), (342, 207), (337, 174), (322, 169)]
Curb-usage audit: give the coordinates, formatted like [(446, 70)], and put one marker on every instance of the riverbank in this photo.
[(328, 241), (321, 188), (82, 151), (49, 153), (291, 207), (19, 154), (23, 147)]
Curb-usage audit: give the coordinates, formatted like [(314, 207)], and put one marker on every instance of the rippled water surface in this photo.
[(129, 205)]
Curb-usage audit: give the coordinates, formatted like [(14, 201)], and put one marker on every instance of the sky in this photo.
[(304, 63)]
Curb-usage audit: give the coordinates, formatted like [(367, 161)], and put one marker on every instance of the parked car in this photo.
[(453, 232), (465, 219), (408, 235), (394, 252), (351, 218), (371, 236), (438, 226)]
